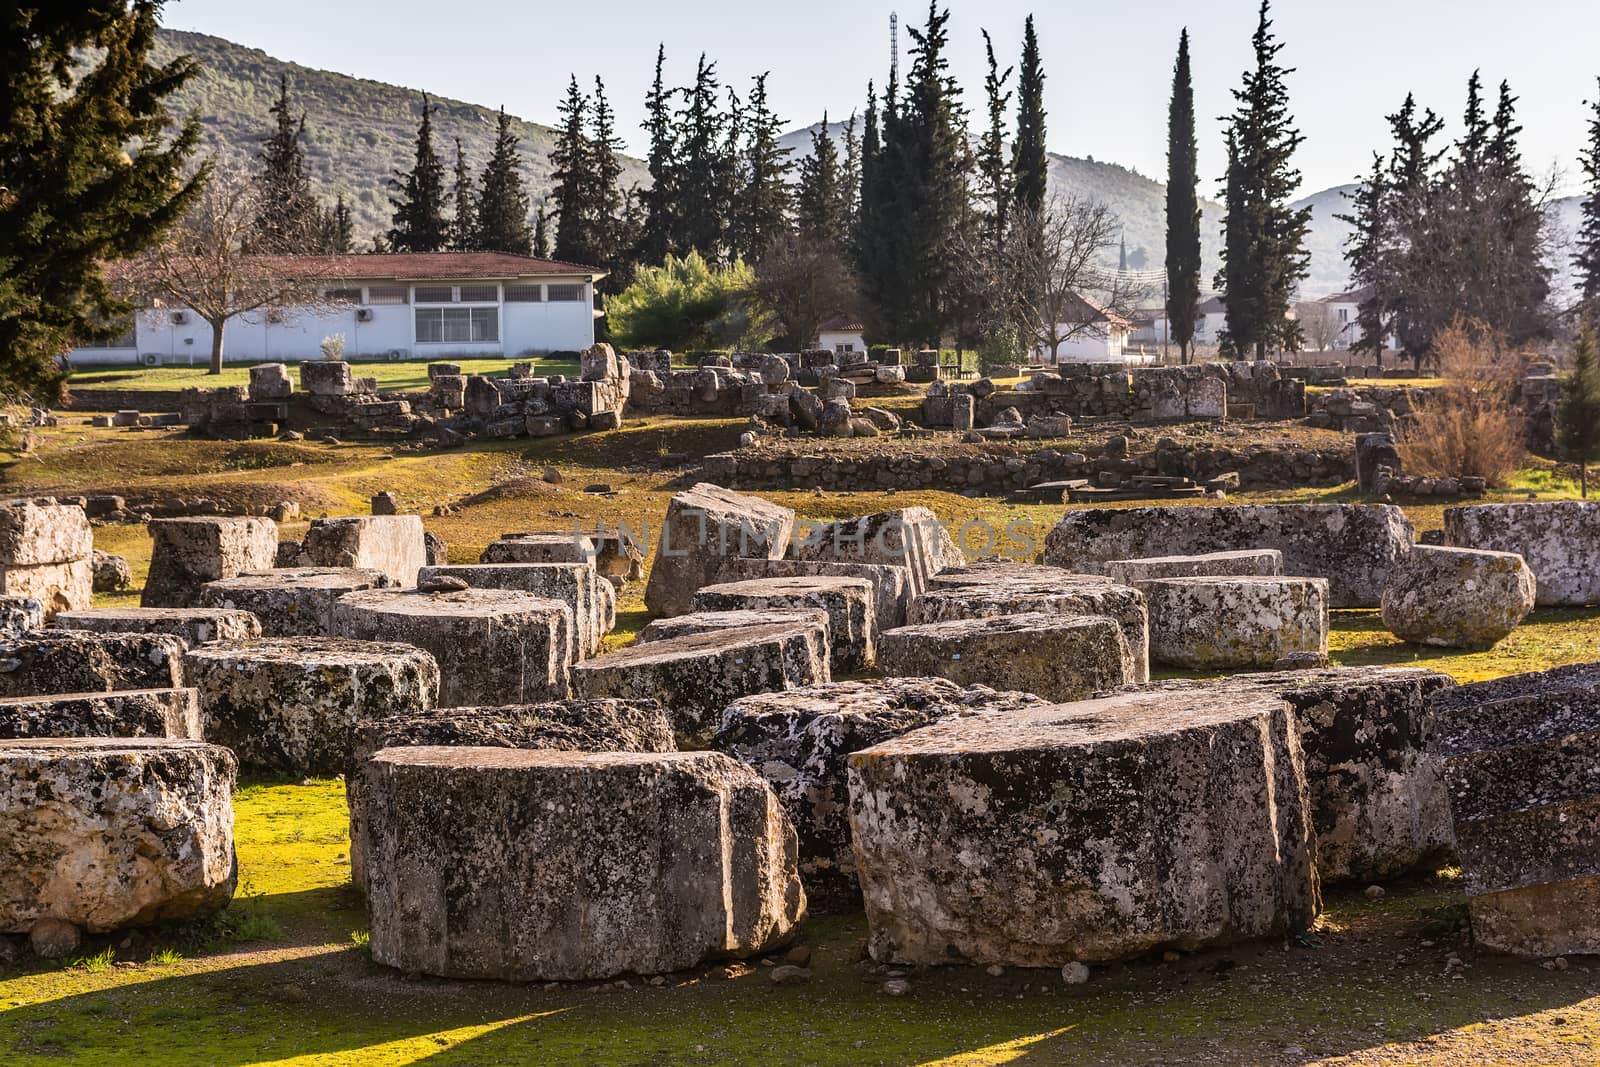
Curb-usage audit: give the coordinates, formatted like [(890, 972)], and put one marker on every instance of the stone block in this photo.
[(1374, 450), (1207, 398), (1559, 539), (19, 614), (703, 525), (891, 584), (76, 661), (55, 586), (327, 377), (813, 621), (1457, 597), (1263, 562), (1208, 623), (271, 381), (598, 363), (187, 553), (1059, 657), (393, 544), (132, 713), (194, 626), (906, 537), (576, 585), (569, 547), (292, 601), (34, 534), (109, 572), (848, 602)]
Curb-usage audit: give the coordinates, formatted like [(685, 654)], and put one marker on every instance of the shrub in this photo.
[(333, 346), (686, 303), (1465, 431)]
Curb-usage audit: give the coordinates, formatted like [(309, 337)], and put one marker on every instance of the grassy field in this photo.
[(397, 376), (284, 978)]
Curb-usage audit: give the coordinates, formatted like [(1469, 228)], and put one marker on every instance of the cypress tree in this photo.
[(338, 228), (541, 233), (850, 179), (1183, 207), (1587, 257), (764, 200), (994, 167), (1029, 163), (503, 203), (464, 223), (1578, 412), (92, 170), (288, 220), (864, 239), (702, 170), (659, 232), (1264, 256), (1367, 253), (419, 222), (573, 178), (607, 201), (817, 199)]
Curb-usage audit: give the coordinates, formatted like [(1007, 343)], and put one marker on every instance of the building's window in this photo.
[(344, 296), (435, 294), (386, 294), (524, 294), (458, 325), (566, 292), (479, 294), (128, 338), (844, 347), (1344, 314)]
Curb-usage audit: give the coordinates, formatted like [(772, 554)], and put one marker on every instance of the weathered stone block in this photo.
[(33, 534), (703, 525), (75, 661), (1226, 622), (195, 626), (891, 585), (1264, 562), (1457, 597), (134, 713), (1059, 657), (109, 572), (598, 363), (576, 585), (104, 833), (800, 741), (907, 537), (848, 602), (188, 553), (1559, 539), (813, 621), (19, 614), (271, 381), (523, 865), (290, 703), (327, 377), (56, 586), (540, 548), (393, 544), (1085, 832), (292, 601)]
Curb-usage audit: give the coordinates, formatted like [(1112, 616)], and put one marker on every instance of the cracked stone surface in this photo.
[(1457, 597)]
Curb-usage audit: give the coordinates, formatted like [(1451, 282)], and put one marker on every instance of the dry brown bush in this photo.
[(1469, 351), (1466, 431)]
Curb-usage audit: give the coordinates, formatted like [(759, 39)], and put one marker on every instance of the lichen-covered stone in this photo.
[(104, 833), (58, 586), (110, 572), (697, 675), (1085, 832), (546, 865), (1457, 597), (1521, 759), (132, 713), (292, 601), (540, 548), (393, 544), (1377, 793), (848, 602), (1262, 562), (912, 538), (576, 585), (1353, 546), (800, 741), (290, 703), (19, 614), (77, 661), (986, 590), (187, 553), (891, 584), (493, 646), (703, 525), (195, 626), (814, 621), (1559, 539), (1228, 622), (33, 534), (1059, 657)]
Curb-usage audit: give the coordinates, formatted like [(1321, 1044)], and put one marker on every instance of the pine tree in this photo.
[(764, 200), (702, 172), (464, 223), (573, 179), (1367, 251), (1578, 411), (92, 168), (850, 180), (817, 199), (289, 220), (994, 165), (1264, 255), (659, 233), (1587, 258), (503, 203), (338, 229), (610, 242), (418, 223), (541, 233), (1030, 163), (1183, 207)]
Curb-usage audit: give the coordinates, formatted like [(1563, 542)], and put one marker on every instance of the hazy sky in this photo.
[(1109, 64)]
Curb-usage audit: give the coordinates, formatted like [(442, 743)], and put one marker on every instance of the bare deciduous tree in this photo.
[(1319, 327), (201, 263), (802, 281)]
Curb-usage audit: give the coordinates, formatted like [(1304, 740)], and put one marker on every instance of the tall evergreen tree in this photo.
[(1030, 163), (419, 223), (818, 198), (92, 170), (1264, 255), (994, 165), (574, 180), (607, 205), (464, 222), (1587, 257), (338, 228), (850, 179), (703, 169), (1367, 253), (1578, 411), (503, 202), (764, 198), (1183, 207), (659, 232), (541, 233), (289, 219)]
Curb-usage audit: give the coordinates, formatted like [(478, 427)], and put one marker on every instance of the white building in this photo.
[(1098, 335), (1210, 318), (414, 305), (840, 334)]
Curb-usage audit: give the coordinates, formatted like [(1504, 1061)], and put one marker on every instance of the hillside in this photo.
[(358, 132)]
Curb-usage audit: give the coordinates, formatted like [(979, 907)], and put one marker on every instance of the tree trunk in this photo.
[(216, 347)]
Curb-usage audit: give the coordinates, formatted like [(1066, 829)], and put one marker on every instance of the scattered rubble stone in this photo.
[(1457, 597), (187, 553), (111, 572), (19, 614)]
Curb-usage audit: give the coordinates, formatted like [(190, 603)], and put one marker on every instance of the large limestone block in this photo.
[(327, 377), (1353, 546), (1559, 539), (812, 621), (913, 538), (848, 602), (1085, 832), (698, 675), (986, 590), (1262, 562), (493, 646), (132, 713), (1457, 597), (65, 586), (19, 614), (33, 534), (703, 525), (290, 704), (1229, 622), (801, 740), (1377, 792), (530, 865), (576, 585), (76, 661), (104, 833), (292, 601), (393, 544), (188, 553), (1521, 760), (1059, 657), (540, 548), (891, 584), (195, 626)]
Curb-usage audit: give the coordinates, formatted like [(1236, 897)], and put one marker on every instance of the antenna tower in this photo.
[(894, 48)]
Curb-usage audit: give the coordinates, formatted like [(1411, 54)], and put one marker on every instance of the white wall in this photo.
[(1090, 346), (832, 339)]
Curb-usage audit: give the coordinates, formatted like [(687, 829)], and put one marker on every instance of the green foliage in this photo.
[(763, 198), (1578, 413), (1586, 258), (91, 170), (100, 961), (1183, 206), (1029, 163), (822, 202), (685, 304), (165, 957), (464, 222), (591, 227), (288, 219), (503, 202), (419, 210)]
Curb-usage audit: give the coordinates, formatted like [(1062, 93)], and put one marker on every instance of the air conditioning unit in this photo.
[(180, 318), (150, 359), (399, 354), (363, 314)]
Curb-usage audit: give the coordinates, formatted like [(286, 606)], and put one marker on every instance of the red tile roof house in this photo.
[(416, 305)]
